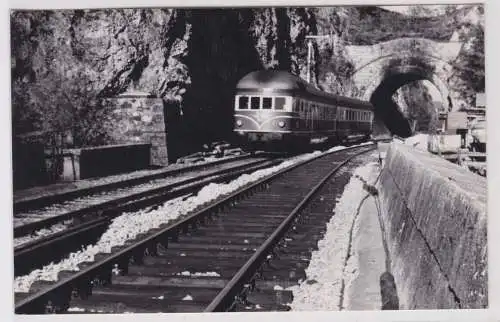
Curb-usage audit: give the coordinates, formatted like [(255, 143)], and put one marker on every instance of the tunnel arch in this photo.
[(381, 88), (374, 81), (380, 69)]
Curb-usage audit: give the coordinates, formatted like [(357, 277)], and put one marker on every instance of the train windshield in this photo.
[(279, 103), (267, 103), (255, 103), (243, 103), (262, 102)]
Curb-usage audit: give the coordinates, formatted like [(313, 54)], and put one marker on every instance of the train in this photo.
[(278, 110)]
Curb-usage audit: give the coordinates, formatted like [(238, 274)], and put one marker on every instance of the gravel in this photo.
[(128, 226), (327, 267)]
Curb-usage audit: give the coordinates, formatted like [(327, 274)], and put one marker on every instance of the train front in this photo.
[(263, 110)]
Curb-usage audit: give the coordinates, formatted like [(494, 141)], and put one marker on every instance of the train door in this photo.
[(309, 118)]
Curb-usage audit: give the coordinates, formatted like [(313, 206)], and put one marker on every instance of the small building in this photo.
[(479, 110)]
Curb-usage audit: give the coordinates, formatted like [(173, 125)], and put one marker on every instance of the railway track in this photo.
[(91, 221), (207, 261), (26, 204), (76, 204)]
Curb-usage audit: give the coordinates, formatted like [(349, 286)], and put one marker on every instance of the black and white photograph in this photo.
[(248, 159)]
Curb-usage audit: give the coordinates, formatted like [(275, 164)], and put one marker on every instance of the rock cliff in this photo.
[(64, 62)]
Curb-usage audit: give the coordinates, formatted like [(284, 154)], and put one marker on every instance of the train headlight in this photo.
[(239, 123), (281, 124)]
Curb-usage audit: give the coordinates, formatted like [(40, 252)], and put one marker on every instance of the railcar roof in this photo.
[(272, 79), (285, 81)]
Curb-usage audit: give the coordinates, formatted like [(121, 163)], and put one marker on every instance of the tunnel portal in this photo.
[(382, 68), (386, 109)]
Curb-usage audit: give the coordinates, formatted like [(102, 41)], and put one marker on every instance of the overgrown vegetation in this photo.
[(49, 94)]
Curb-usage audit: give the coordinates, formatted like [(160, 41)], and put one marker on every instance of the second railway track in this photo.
[(202, 262), (90, 222), (70, 207)]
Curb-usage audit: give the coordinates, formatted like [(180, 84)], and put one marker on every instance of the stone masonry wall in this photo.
[(139, 118), (436, 224)]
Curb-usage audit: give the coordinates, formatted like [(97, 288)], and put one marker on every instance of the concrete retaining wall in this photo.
[(436, 226), (101, 161)]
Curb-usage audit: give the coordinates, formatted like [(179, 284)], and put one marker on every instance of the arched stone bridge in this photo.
[(382, 68)]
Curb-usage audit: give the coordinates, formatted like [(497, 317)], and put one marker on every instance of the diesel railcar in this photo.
[(278, 109)]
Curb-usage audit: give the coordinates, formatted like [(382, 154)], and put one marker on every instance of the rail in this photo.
[(226, 297), (24, 204), (36, 253), (113, 204), (58, 294)]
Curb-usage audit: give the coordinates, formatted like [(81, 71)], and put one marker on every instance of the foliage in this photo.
[(469, 69), (51, 94)]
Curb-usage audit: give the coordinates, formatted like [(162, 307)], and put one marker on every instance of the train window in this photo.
[(255, 103), (279, 103), (243, 103), (267, 103)]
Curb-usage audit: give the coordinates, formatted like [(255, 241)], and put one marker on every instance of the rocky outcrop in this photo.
[(65, 62)]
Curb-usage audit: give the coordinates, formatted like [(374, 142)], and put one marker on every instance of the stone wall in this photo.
[(436, 224), (139, 118)]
